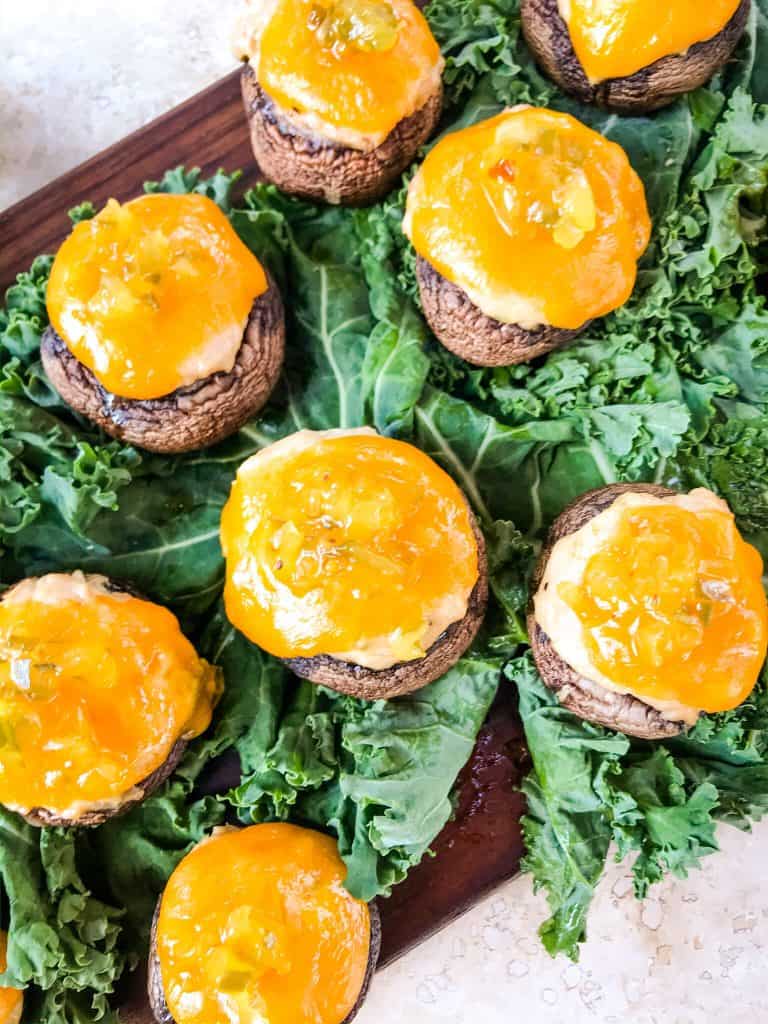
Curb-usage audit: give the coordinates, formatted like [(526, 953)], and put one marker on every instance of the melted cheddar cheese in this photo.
[(347, 70), (11, 999), (615, 38), (277, 939), (349, 544), (660, 598), (96, 687), (536, 217), (155, 294)]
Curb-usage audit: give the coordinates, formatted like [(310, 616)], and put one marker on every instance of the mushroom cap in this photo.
[(44, 818), (405, 676), (191, 417), (309, 166), (155, 982), (465, 330), (651, 88), (585, 698)]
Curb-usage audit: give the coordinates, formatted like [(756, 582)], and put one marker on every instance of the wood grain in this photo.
[(482, 845)]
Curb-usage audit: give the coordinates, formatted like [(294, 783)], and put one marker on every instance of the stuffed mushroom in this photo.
[(166, 331), (11, 999), (632, 55), (101, 692), (277, 939), (356, 559), (339, 94), (648, 609), (526, 227)]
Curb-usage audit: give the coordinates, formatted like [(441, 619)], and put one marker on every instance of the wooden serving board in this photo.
[(482, 845)]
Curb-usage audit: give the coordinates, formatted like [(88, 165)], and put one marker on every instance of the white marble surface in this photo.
[(75, 75)]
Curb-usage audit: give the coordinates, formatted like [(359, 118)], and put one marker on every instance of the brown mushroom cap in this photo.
[(465, 330), (192, 417), (45, 818), (155, 982), (406, 676), (648, 89), (309, 166), (582, 696)]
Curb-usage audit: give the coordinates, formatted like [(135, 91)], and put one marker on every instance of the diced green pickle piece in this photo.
[(368, 25)]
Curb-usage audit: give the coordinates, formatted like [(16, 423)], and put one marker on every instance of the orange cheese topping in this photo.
[(346, 544), (95, 689), (537, 217), (358, 66), (155, 294), (614, 38), (276, 939), (11, 999), (673, 606)]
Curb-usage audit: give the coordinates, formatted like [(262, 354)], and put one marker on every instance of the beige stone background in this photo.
[(75, 75)]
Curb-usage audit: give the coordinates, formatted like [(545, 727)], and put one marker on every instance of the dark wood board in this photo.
[(482, 846)]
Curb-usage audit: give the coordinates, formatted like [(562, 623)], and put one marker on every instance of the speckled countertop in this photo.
[(76, 75)]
